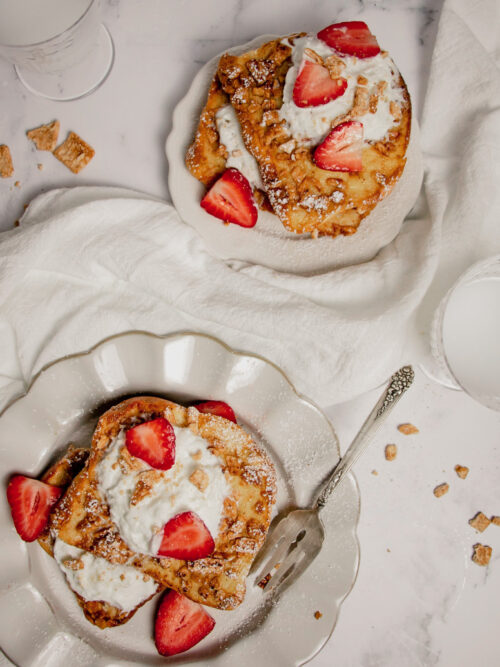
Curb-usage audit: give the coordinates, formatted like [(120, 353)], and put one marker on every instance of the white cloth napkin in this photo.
[(90, 262)]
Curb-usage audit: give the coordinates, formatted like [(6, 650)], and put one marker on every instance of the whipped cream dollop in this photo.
[(142, 499), (94, 578), (238, 156), (310, 125)]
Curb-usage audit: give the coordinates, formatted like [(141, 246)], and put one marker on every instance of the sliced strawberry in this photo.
[(231, 199), (351, 38), (314, 86), (30, 503), (342, 149), (218, 408), (186, 537), (153, 442), (180, 624)]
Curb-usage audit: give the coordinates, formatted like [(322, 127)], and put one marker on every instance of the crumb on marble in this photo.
[(462, 471), (39, 166), (17, 184), (495, 520), (481, 554), (390, 452), (407, 429), (479, 522), (374, 472), (74, 153), (441, 489), (317, 615), (45, 136), (6, 164)]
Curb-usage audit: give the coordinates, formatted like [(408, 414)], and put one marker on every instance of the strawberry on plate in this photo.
[(351, 38), (231, 199), (30, 503), (180, 624), (342, 149), (186, 537), (153, 442), (218, 408), (314, 86)]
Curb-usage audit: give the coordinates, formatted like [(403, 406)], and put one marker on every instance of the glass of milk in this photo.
[(465, 335), (59, 48)]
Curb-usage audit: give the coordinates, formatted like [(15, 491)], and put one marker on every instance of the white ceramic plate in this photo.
[(268, 243), (40, 620)]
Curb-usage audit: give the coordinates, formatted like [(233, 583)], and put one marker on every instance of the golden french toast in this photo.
[(240, 470), (303, 108), (61, 474)]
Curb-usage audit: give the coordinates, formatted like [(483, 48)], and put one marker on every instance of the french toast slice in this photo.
[(83, 518), (61, 474), (305, 197)]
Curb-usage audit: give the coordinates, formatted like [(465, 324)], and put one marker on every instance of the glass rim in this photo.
[(59, 34)]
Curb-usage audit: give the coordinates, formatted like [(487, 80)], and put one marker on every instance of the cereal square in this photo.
[(479, 521), (482, 554), (462, 471), (74, 153), (6, 166), (441, 489), (45, 136)]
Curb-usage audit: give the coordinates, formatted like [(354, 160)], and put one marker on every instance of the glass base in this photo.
[(77, 81)]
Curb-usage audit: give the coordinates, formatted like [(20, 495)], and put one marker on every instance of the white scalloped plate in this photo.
[(40, 620), (268, 243)]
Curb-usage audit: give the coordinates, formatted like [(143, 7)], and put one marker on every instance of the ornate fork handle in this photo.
[(397, 386)]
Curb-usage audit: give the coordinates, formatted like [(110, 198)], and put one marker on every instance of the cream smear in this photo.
[(94, 578), (310, 125), (238, 156), (141, 522)]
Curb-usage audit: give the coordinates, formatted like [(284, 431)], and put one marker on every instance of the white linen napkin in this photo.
[(90, 262)]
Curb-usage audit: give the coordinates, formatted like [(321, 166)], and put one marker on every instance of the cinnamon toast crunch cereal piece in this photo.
[(479, 521), (74, 153), (462, 471), (45, 136), (495, 520), (6, 165), (407, 429), (441, 489), (390, 452), (482, 554)]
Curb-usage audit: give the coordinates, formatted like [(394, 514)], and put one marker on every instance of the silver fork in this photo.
[(297, 538)]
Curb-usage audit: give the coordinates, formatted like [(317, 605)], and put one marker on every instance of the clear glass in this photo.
[(65, 66), (465, 334)]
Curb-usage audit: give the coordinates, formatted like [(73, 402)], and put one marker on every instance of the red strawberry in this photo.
[(186, 537), (30, 503), (218, 408), (153, 442), (230, 198), (342, 149), (314, 86), (352, 38), (180, 624)]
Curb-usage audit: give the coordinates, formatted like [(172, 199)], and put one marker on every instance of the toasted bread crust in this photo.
[(83, 518)]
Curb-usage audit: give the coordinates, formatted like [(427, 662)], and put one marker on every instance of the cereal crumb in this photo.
[(17, 184), (74, 153), (482, 554), (263, 582), (200, 479), (45, 136), (374, 472), (6, 165), (462, 471), (441, 489), (479, 521), (495, 520), (407, 429), (390, 452), (317, 615), (40, 166)]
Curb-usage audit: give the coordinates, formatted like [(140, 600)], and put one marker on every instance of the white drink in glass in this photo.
[(25, 22)]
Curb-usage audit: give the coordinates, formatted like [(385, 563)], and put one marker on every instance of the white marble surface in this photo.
[(418, 598)]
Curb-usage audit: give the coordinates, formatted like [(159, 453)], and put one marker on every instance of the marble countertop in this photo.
[(418, 599)]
